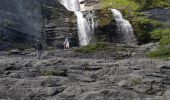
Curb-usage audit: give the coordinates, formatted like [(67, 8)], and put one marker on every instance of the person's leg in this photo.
[(68, 46), (38, 54), (65, 46)]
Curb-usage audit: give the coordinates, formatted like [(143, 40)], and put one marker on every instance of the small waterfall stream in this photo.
[(124, 27), (85, 28)]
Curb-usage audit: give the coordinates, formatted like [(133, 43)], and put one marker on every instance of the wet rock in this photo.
[(160, 14)]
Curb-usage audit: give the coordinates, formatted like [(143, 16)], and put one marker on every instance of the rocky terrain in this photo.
[(116, 74)]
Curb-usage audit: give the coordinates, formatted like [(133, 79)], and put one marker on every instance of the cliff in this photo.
[(20, 21), (23, 22), (99, 71)]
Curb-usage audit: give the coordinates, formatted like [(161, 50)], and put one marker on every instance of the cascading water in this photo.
[(85, 29), (124, 27)]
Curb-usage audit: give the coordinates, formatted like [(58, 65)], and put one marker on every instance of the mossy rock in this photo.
[(54, 72)]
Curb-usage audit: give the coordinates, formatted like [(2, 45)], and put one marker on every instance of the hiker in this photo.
[(66, 44), (39, 48)]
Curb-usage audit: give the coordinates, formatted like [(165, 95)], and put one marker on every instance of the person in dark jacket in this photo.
[(39, 48)]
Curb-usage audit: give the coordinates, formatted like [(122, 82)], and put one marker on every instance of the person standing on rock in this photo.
[(66, 44), (39, 48)]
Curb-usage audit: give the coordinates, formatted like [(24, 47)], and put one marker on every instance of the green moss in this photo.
[(103, 15), (163, 36), (165, 40), (142, 27), (92, 48), (50, 72), (124, 5), (136, 81), (160, 33), (50, 48), (161, 52)]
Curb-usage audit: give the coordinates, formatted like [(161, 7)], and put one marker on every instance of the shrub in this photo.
[(163, 35), (159, 33), (165, 40), (136, 81), (92, 48), (161, 52), (50, 72), (103, 15), (142, 27)]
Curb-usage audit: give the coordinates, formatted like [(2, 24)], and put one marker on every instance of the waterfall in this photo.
[(124, 27), (85, 28)]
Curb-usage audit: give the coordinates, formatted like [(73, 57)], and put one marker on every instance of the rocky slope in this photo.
[(124, 73)]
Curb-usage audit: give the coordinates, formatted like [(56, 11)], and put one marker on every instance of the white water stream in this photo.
[(124, 27), (85, 28)]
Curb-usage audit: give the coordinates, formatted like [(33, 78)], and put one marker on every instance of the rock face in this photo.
[(160, 14), (58, 24), (20, 20), (24, 21)]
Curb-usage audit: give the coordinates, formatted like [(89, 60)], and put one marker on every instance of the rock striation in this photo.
[(26, 21), (20, 20)]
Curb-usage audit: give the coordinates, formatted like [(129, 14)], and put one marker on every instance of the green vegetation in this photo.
[(165, 40), (50, 48), (127, 7), (161, 52), (158, 34), (123, 5), (92, 48), (145, 29), (143, 26), (163, 36), (103, 46), (133, 11), (136, 81), (50, 72)]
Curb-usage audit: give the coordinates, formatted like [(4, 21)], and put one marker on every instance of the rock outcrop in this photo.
[(160, 14), (26, 21), (58, 24), (20, 21)]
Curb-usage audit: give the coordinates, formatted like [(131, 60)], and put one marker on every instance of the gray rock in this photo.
[(160, 14)]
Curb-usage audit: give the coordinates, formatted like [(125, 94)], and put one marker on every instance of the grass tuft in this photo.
[(92, 48)]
